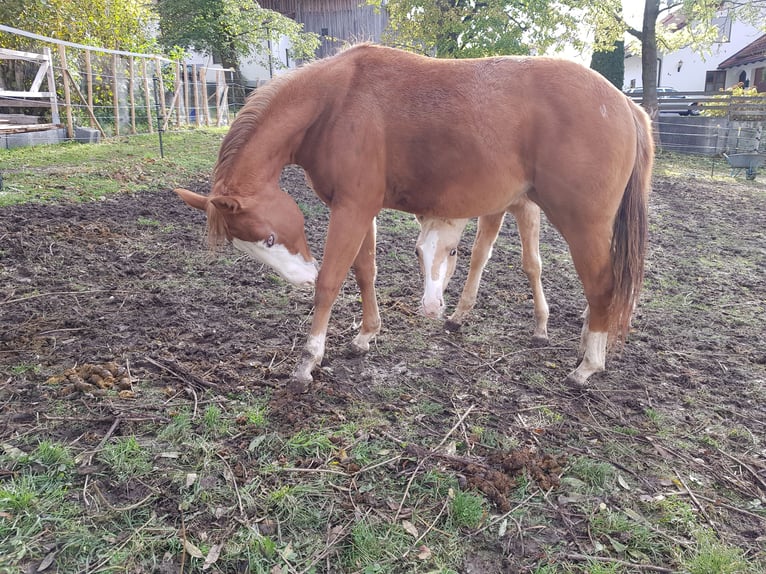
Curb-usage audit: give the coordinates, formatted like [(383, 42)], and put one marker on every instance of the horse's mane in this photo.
[(246, 123)]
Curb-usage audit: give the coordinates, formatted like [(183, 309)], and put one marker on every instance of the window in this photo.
[(715, 80), (759, 79)]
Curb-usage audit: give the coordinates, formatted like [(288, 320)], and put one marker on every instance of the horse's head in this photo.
[(436, 249), (269, 228)]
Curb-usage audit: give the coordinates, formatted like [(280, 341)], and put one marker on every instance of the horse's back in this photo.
[(465, 137)]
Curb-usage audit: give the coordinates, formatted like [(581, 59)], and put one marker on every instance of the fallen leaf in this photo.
[(47, 561), (621, 481), (410, 528), (424, 552), (192, 550), (191, 478), (212, 556)]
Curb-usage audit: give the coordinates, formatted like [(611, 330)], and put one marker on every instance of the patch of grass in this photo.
[(711, 556), (126, 458), (467, 510), (84, 172), (179, 428), (25, 368), (256, 415), (623, 535), (370, 547), (595, 475), (53, 456), (306, 443)]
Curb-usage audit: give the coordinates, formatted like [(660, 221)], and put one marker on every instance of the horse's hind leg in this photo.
[(527, 214), (365, 271), (591, 255), (487, 230)]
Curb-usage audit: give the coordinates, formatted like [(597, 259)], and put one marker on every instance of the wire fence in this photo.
[(112, 92)]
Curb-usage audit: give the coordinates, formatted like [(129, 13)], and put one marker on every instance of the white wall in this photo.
[(253, 72), (691, 76)]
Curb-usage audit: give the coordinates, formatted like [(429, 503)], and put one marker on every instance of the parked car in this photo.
[(662, 92), (666, 93)]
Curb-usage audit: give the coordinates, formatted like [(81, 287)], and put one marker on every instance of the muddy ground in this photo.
[(681, 408)]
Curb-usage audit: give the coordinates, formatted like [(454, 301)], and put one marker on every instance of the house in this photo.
[(748, 65), (723, 65), (337, 22)]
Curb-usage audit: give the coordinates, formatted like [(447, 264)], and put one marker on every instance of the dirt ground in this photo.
[(682, 407)]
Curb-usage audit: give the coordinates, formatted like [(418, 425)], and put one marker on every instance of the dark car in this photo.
[(665, 93)]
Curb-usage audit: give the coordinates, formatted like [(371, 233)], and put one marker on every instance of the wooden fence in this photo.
[(114, 92)]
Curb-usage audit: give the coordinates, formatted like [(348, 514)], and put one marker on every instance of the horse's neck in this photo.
[(274, 142)]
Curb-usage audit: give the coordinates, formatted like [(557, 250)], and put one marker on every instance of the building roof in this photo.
[(754, 52)]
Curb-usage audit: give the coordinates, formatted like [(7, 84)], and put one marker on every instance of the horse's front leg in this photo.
[(365, 271), (488, 228), (345, 234)]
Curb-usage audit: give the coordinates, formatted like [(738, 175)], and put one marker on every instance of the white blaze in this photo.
[(290, 266)]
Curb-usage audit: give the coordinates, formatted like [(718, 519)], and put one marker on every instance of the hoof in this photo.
[(298, 386), (576, 380), (540, 341), (301, 378), (355, 350), (452, 326)]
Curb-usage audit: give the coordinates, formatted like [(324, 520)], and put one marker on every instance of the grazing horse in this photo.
[(376, 127), (436, 248)]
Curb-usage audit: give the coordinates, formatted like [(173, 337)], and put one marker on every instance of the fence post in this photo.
[(177, 97), (147, 99), (131, 96), (218, 98), (203, 83), (89, 83), (115, 96), (161, 85), (187, 111), (195, 82), (67, 95)]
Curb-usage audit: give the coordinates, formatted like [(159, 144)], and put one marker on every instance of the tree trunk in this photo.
[(649, 58)]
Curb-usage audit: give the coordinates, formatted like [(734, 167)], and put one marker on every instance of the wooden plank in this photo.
[(18, 129), (17, 94), (16, 55), (21, 103)]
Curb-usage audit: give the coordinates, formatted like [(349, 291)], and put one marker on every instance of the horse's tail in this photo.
[(630, 231)]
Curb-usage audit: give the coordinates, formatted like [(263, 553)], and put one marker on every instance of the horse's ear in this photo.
[(419, 218), (226, 203), (193, 199)]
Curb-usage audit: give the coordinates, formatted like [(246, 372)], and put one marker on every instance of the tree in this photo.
[(699, 30), (473, 28), (230, 30), (114, 24), (611, 63)]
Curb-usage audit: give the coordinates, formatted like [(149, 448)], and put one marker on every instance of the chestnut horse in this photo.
[(376, 127), (436, 249)]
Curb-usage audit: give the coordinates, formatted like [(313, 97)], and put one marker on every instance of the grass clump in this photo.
[(711, 556), (467, 510), (126, 458)]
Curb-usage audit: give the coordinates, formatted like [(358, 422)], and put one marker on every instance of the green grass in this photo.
[(126, 458), (85, 172)]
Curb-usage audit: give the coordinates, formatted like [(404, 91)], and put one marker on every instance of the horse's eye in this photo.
[(417, 253), (270, 240), (453, 253)]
